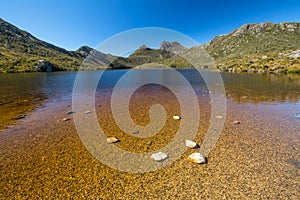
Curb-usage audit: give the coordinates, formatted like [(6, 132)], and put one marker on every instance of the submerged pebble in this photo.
[(191, 144), (66, 119), (149, 143), (87, 112), (111, 140), (197, 158), (294, 162), (236, 122), (20, 117), (70, 112), (176, 117), (219, 117), (160, 156), (296, 116)]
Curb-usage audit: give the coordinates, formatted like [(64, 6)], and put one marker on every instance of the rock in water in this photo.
[(176, 117), (236, 122), (87, 112), (20, 117), (66, 119), (197, 158), (191, 144), (219, 117), (159, 157), (297, 116), (111, 140), (136, 132), (70, 112)]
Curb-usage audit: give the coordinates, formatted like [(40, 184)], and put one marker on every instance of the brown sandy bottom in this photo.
[(43, 156)]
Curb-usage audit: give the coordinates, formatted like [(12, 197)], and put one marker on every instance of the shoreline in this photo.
[(222, 70)]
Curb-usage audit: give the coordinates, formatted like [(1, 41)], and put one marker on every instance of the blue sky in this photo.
[(71, 24)]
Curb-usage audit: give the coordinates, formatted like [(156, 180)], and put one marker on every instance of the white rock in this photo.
[(219, 117), (236, 122), (87, 112), (160, 156), (111, 140), (264, 57), (197, 158), (66, 119), (191, 144), (176, 117), (297, 116)]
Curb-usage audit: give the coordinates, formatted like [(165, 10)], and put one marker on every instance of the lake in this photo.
[(43, 156)]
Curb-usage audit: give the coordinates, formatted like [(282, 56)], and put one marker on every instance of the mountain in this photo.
[(174, 47), (141, 56), (256, 38), (263, 47), (21, 52)]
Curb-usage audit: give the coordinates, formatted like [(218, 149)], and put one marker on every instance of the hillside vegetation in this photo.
[(263, 48)]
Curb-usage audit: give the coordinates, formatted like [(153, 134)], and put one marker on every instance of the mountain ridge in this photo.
[(240, 50)]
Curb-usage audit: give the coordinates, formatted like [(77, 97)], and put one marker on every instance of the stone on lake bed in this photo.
[(66, 119), (87, 112), (160, 156), (111, 140), (219, 117), (236, 122), (176, 117), (191, 144), (20, 117), (136, 132), (70, 112), (297, 116), (197, 158)]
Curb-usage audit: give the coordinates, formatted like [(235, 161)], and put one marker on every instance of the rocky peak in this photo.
[(266, 27), (168, 46), (144, 47), (84, 51)]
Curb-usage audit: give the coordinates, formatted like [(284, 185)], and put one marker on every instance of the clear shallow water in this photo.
[(20, 93), (252, 88), (259, 158)]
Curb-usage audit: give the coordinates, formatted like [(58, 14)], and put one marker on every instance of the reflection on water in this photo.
[(258, 88), (20, 92)]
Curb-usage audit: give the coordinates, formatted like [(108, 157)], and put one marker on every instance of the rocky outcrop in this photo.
[(45, 66), (174, 47), (255, 38), (165, 45), (83, 51)]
